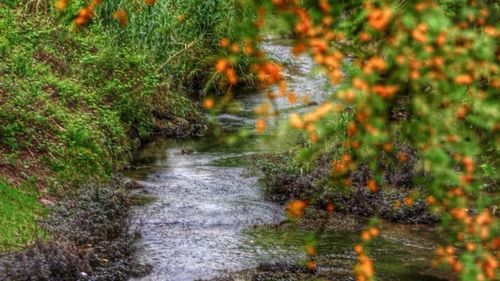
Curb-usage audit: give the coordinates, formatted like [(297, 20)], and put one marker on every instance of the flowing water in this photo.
[(202, 220)]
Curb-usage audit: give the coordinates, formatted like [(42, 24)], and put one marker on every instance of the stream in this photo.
[(208, 217)]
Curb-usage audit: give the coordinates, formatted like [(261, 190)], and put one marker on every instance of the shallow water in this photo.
[(201, 223), (193, 227)]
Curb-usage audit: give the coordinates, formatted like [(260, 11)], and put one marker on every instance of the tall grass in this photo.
[(181, 35)]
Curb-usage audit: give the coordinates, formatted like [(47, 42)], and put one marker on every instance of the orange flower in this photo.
[(324, 6), (235, 48), (484, 218), (463, 79), (224, 42), (81, 21), (402, 157), (441, 39), (248, 49), (347, 96), (311, 265), (374, 63), (208, 103), (231, 76), (364, 36), (385, 91), (408, 201), (292, 98), (358, 249), (260, 126), (61, 5), (365, 236), (150, 2), (372, 185), (298, 49), (221, 65), (351, 129), (121, 17), (296, 208), (310, 250), (459, 213), (461, 112), (84, 13), (388, 147), (374, 232), (419, 33), (330, 207), (379, 18), (296, 121), (336, 76), (490, 30)]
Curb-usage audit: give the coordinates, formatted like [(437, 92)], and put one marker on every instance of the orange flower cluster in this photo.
[(364, 267), (371, 184), (295, 209), (342, 166), (311, 265), (284, 4), (61, 5), (224, 66), (304, 22), (463, 79), (488, 263), (308, 120), (149, 2), (379, 19), (374, 64), (208, 103), (121, 17), (268, 73), (385, 91), (420, 33), (86, 14), (317, 39), (260, 125)]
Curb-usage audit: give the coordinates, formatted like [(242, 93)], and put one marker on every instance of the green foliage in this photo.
[(422, 74), (73, 100)]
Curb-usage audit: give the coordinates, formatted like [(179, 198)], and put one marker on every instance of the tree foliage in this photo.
[(422, 73)]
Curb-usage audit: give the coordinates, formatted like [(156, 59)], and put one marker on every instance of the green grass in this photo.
[(19, 211)]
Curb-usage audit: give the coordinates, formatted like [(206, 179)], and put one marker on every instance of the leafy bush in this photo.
[(420, 73)]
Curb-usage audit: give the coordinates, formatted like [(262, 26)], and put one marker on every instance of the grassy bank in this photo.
[(75, 103), (19, 210)]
